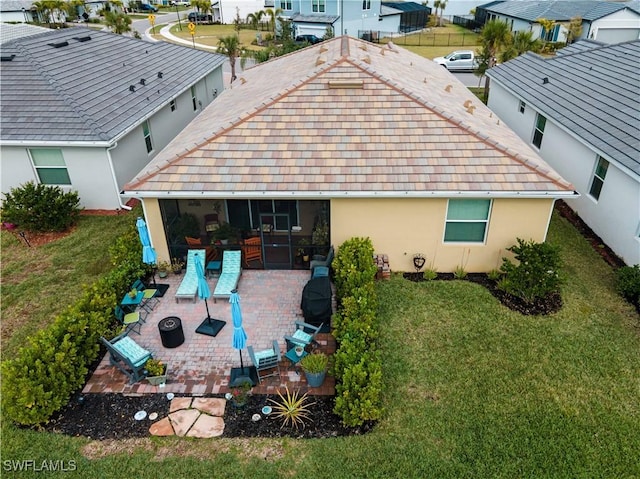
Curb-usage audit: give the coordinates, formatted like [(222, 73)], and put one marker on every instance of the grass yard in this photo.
[(471, 389), (211, 34)]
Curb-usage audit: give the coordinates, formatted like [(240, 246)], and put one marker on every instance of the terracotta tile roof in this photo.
[(347, 117)]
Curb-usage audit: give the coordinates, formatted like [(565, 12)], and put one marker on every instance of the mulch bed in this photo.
[(111, 416)]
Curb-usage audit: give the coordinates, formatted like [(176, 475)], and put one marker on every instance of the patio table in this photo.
[(130, 304)]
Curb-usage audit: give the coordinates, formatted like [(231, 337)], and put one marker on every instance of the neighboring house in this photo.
[(581, 112), (379, 141), (86, 110), (17, 11), (609, 22), (11, 31)]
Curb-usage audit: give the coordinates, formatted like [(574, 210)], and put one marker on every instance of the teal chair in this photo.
[(304, 335), (189, 285), (267, 361), (128, 356), (150, 298), (130, 321), (229, 276)]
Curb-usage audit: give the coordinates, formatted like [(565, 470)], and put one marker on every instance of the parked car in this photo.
[(145, 7), (200, 17), (308, 38), (181, 3), (458, 61)]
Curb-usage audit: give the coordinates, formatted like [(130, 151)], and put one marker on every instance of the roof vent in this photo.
[(58, 44), (448, 88), (159, 74), (143, 82), (7, 58), (545, 80), (351, 84), (86, 38), (132, 88), (467, 103)]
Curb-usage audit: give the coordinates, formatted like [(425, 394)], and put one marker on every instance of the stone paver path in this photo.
[(192, 417)]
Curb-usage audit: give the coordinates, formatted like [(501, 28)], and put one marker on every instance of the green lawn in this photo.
[(471, 389)]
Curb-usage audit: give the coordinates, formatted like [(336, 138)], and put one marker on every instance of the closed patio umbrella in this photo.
[(239, 341), (148, 253), (210, 326)]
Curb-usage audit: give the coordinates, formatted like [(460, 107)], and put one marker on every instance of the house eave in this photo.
[(348, 194), (59, 143)]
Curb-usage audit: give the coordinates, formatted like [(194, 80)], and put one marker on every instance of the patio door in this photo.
[(275, 233)]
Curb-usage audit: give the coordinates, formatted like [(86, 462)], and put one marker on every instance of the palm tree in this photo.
[(436, 6), (273, 16), (231, 47), (494, 37), (118, 22), (255, 18), (574, 29), (443, 5)]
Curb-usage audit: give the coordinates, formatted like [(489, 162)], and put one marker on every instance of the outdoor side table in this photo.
[(130, 304), (294, 358), (171, 332), (214, 267)]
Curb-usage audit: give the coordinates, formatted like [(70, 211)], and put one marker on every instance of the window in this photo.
[(146, 131), (467, 221), (318, 6), (172, 105), (598, 177), (289, 207), (285, 4), (50, 166), (541, 121), (522, 106), (194, 99), (366, 4)]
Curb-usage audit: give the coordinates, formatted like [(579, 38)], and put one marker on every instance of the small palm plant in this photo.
[(292, 408)]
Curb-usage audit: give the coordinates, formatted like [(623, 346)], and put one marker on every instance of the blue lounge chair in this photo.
[(189, 285), (230, 275), (128, 356)]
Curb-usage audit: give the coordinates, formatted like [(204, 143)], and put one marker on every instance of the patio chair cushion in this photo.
[(131, 350), (264, 354), (230, 275), (302, 336), (189, 284)]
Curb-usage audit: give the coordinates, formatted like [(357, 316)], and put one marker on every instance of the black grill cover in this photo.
[(316, 301)]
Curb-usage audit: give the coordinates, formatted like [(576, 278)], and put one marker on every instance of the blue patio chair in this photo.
[(150, 298), (320, 260), (129, 321), (304, 335), (128, 356), (266, 360), (189, 285), (229, 276)]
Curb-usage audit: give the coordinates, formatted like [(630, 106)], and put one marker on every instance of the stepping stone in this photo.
[(183, 420), (179, 403), (207, 426), (211, 406), (161, 428)]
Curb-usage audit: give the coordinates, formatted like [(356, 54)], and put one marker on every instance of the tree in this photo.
[(574, 29), (118, 22), (237, 22), (443, 5), (436, 7), (494, 37), (520, 43), (231, 47), (255, 18), (548, 26), (273, 16), (203, 6)]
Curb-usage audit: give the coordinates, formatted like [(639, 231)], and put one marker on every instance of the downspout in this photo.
[(113, 175)]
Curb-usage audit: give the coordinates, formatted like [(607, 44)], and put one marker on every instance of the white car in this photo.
[(458, 61), (181, 3)]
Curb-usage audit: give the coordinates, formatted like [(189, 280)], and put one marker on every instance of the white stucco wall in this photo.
[(615, 216), (620, 26)]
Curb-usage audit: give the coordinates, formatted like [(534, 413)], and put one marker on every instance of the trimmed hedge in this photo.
[(628, 283), (357, 365), (56, 361)]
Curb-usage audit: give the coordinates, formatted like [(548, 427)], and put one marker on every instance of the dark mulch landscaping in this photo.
[(111, 416)]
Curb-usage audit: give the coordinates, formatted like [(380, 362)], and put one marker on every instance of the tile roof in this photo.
[(562, 10), (595, 94), (580, 46), (11, 31), (79, 91), (347, 117)]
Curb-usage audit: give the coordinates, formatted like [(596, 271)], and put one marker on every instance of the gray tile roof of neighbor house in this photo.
[(13, 31), (563, 10), (580, 46), (80, 85), (595, 94), (347, 117)]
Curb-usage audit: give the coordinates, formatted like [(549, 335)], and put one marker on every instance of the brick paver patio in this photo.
[(270, 302)]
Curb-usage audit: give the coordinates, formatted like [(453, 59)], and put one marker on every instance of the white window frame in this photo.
[(595, 177), (522, 106), (194, 98), (318, 6), (148, 139), (366, 4), (286, 4), (485, 221), (173, 105), (38, 168), (536, 130)]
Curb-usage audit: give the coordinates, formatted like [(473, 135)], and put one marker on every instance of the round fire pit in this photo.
[(171, 332)]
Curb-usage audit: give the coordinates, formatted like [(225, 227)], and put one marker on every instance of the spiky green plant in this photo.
[(292, 408)]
